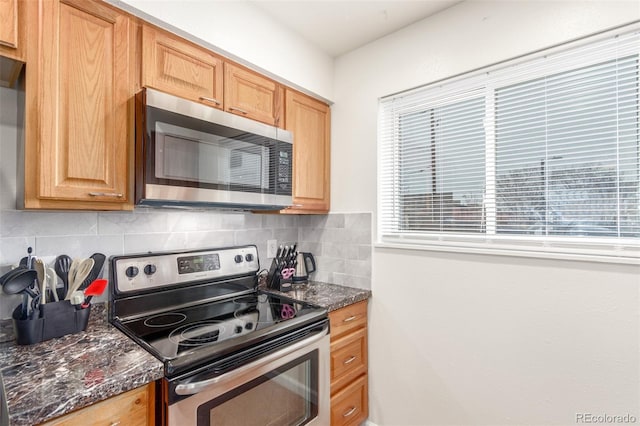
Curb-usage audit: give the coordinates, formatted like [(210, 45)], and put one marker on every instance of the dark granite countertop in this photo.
[(330, 296), (52, 378)]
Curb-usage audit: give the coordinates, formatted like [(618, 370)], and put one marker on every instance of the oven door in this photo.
[(287, 387)]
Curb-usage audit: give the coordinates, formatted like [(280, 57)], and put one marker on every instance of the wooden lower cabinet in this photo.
[(349, 406), (133, 408), (349, 365)]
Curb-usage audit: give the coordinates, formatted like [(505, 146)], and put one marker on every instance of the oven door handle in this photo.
[(196, 387)]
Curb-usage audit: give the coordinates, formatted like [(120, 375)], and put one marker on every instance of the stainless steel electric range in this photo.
[(232, 354)]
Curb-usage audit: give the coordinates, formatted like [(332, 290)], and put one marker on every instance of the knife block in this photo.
[(275, 280), (56, 319)]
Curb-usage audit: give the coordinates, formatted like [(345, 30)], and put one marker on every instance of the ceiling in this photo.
[(337, 27)]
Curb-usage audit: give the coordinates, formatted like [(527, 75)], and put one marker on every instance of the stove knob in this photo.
[(238, 258), (248, 257), (238, 329), (132, 271), (150, 269)]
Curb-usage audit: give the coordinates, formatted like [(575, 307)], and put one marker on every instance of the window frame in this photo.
[(487, 81)]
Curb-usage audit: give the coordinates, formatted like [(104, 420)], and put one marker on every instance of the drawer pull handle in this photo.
[(213, 100), (351, 318), (115, 424), (350, 360), (105, 194), (350, 412), (241, 111)]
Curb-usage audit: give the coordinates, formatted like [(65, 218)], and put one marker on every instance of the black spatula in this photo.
[(98, 263)]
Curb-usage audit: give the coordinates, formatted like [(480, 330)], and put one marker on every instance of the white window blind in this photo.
[(542, 155)]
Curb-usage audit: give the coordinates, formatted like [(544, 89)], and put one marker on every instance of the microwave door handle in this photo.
[(196, 387)]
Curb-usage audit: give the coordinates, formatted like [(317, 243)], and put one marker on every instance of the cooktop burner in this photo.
[(165, 320)]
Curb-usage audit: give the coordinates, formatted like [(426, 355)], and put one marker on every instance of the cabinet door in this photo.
[(350, 406), (9, 19), (309, 120), (251, 95), (348, 358), (80, 108), (12, 37), (133, 408), (175, 66)]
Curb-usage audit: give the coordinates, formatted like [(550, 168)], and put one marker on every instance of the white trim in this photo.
[(501, 250)]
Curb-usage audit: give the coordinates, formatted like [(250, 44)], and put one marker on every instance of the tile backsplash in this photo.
[(341, 243)]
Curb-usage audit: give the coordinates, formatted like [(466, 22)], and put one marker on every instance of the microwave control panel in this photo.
[(284, 170)]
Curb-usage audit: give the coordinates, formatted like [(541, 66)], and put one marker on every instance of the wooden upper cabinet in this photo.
[(174, 65), (12, 40), (252, 95), (79, 131), (9, 19), (309, 120)]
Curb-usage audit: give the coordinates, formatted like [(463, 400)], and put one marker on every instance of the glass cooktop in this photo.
[(232, 322)]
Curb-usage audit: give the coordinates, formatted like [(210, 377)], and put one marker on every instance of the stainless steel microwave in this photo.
[(193, 155)]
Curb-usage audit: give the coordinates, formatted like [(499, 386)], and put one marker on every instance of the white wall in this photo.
[(243, 32), (479, 339)]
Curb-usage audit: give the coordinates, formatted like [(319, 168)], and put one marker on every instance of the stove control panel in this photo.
[(157, 270), (199, 263)]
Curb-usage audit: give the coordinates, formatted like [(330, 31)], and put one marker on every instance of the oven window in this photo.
[(286, 396)]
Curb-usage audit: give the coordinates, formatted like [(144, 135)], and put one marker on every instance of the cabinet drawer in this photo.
[(348, 358), (347, 319), (131, 408), (350, 405)]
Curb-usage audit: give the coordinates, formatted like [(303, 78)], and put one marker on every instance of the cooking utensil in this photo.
[(52, 280), (98, 263), (40, 268), (35, 306), (78, 274), (29, 258), (11, 273), (19, 283), (76, 298), (75, 263), (287, 273), (96, 288), (61, 266)]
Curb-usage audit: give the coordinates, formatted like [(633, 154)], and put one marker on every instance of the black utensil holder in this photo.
[(56, 319)]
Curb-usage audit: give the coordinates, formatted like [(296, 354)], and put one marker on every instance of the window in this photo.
[(540, 156)]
